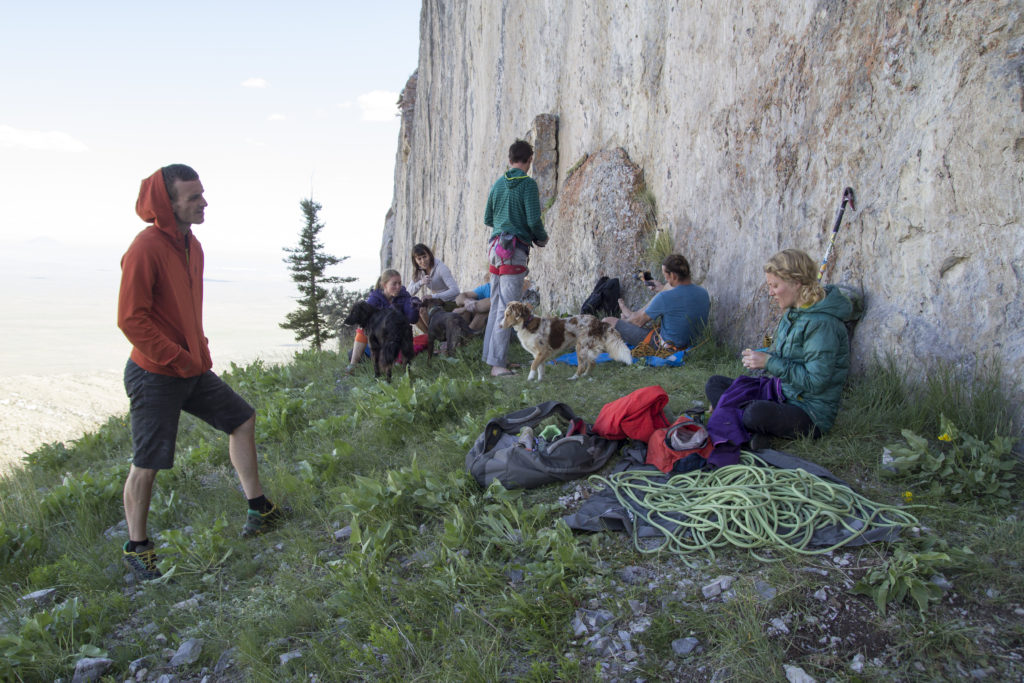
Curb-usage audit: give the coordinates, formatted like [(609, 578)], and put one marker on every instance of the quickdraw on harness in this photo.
[(504, 246)]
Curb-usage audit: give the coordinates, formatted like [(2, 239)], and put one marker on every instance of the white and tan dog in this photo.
[(545, 338)]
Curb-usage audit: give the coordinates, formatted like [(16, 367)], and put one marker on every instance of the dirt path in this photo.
[(35, 410)]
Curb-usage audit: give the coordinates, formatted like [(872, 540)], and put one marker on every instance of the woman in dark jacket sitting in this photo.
[(388, 293), (810, 355)]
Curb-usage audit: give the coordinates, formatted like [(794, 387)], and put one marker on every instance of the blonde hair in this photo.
[(385, 276), (793, 265)]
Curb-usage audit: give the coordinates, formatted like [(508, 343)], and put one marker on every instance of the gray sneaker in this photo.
[(141, 562)]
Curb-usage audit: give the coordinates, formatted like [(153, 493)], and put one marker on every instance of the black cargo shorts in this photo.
[(156, 402)]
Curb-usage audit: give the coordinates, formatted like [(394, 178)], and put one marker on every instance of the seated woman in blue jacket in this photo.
[(810, 355), (387, 293)]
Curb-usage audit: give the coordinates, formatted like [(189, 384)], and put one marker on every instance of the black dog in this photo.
[(450, 328), (389, 333)]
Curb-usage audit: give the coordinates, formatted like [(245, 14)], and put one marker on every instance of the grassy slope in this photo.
[(443, 581)]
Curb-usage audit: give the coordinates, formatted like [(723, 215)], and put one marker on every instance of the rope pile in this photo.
[(749, 505)]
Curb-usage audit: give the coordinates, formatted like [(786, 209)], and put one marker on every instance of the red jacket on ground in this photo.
[(160, 305), (634, 416)]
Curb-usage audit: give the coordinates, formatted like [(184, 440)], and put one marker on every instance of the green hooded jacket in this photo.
[(513, 205), (811, 355)]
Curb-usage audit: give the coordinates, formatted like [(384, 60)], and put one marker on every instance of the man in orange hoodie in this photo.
[(160, 311)]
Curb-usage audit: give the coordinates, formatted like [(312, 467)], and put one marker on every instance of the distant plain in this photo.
[(62, 355)]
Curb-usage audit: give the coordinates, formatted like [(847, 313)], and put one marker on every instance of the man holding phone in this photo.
[(647, 279), (682, 306)]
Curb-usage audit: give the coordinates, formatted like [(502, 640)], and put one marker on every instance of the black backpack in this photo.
[(500, 454), (604, 300)]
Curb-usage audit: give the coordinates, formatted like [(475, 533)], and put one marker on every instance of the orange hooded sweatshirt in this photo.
[(160, 306)]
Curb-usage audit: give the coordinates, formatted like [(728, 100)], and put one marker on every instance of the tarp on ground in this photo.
[(603, 511), (673, 361)]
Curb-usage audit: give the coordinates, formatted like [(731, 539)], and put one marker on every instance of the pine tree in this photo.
[(308, 264)]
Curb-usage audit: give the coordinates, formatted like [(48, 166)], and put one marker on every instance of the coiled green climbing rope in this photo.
[(749, 505)]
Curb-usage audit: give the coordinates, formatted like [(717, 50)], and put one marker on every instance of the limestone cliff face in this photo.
[(744, 121)]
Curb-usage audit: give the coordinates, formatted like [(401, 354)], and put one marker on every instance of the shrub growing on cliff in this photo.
[(308, 263)]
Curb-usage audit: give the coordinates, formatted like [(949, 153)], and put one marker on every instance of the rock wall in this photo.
[(744, 121)]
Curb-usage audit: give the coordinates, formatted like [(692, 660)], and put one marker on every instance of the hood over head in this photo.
[(154, 204)]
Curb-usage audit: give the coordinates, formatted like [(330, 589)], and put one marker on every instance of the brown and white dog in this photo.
[(545, 338)]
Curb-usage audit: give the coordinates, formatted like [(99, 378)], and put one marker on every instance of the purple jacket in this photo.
[(725, 427), (402, 303)]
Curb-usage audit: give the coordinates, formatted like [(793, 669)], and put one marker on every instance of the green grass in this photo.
[(441, 580), (649, 205)]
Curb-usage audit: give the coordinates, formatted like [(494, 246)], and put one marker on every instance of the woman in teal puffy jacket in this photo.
[(810, 354)]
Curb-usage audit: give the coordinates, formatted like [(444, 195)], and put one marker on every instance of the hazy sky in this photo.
[(266, 100)]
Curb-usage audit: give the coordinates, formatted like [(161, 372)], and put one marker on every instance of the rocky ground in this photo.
[(814, 613)]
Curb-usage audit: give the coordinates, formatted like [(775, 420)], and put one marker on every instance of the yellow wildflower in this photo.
[(945, 437), (908, 497)]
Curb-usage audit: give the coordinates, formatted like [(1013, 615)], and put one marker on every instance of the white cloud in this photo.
[(252, 142), (378, 105), (347, 104), (276, 117), (255, 83), (47, 140)]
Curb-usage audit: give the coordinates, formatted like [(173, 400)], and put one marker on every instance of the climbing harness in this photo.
[(504, 246), (655, 345)]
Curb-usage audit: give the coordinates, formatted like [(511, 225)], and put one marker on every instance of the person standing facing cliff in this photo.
[(513, 214), (160, 311)]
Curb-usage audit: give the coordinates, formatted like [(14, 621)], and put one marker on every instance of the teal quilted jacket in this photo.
[(811, 355)]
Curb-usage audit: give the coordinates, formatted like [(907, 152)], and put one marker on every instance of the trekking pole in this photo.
[(847, 197)]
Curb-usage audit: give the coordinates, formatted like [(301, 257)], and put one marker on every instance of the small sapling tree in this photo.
[(339, 302), (308, 264)]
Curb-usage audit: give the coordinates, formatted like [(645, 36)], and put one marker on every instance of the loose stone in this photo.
[(684, 646)]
